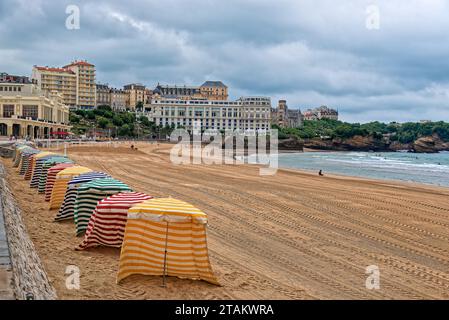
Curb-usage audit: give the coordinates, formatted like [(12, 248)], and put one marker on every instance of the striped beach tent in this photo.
[(107, 223), (166, 237), (88, 196), (68, 205), (32, 164), (18, 154), (51, 177), (53, 161), (60, 186), (17, 147), (37, 171), (26, 160)]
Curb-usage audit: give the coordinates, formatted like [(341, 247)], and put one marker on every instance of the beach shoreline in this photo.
[(294, 235)]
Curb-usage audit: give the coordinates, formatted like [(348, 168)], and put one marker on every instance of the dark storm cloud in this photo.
[(308, 52)]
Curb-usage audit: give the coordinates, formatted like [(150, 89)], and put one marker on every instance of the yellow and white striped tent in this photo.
[(62, 179), (166, 236)]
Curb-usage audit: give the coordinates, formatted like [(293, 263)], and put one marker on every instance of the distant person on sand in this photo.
[(132, 146), (320, 173)]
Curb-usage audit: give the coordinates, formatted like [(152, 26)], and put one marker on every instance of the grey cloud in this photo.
[(308, 52)]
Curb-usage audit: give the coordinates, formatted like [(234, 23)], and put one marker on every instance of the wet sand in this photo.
[(290, 236)]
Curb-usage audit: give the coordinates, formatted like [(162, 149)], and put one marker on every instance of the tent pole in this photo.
[(165, 257)]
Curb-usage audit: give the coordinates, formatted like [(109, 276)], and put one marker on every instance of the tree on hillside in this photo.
[(117, 120), (103, 123), (90, 115), (104, 108), (124, 131), (139, 106)]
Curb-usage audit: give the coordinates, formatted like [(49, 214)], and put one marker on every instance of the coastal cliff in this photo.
[(428, 144), (291, 144)]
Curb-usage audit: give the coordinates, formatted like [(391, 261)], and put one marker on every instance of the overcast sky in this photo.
[(308, 52)]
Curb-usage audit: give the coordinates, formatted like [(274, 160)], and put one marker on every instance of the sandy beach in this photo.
[(293, 235)]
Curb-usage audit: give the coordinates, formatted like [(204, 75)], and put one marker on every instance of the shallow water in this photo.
[(422, 168)]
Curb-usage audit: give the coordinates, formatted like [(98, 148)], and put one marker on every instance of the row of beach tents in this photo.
[(157, 236)]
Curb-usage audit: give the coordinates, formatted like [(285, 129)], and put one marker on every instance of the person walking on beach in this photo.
[(320, 173)]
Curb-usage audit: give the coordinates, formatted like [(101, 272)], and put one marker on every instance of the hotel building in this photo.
[(103, 95), (27, 111), (135, 94), (76, 83), (209, 90), (61, 80), (322, 112), (246, 113), (214, 90), (119, 99)]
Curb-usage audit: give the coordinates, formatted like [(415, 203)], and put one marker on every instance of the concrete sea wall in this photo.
[(29, 279)]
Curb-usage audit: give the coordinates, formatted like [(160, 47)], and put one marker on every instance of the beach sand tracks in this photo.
[(289, 236)]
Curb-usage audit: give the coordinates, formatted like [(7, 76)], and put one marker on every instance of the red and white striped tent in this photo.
[(51, 177), (107, 224)]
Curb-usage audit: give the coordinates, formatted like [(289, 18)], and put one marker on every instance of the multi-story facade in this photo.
[(177, 92), (9, 78), (148, 96), (136, 94), (322, 112), (209, 90), (103, 96), (85, 84), (246, 113), (27, 111), (57, 79), (118, 99), (76, 83), (285, 117), (214, 90)]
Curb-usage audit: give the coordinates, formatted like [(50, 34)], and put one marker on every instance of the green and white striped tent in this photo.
[(68, 205), (88, 196), (46, 166)]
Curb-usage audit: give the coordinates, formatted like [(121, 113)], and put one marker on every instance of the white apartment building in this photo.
[(246, 113)]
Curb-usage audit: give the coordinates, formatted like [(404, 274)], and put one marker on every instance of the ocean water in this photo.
[(421, 168)]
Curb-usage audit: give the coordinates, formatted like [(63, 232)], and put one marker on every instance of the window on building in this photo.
[(8, 110)]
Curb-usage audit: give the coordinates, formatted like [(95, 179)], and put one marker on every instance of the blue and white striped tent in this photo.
[(68, 205), (38, 169)]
